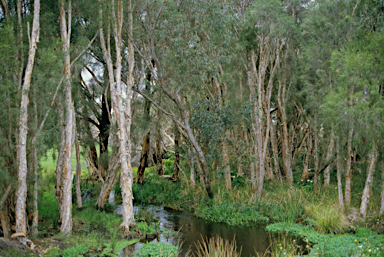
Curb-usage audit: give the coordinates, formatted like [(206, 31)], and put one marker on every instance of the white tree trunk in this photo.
[(348, 173), (327, 171), (339, 172), (21, 192), (65, 207), (368, 182), (123, 117)]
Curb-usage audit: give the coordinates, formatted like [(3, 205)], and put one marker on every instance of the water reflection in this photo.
[(192, 229)]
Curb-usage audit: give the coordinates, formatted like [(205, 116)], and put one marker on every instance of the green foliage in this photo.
[(230, 212), (158, 249), (76, 251), (216, 246), (331, 244), (48, 212), (145, 228), (115, 248)]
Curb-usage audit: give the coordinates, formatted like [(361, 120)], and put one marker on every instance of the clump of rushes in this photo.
[(287, 203), (327, 218), (215, 247), (282, 245)]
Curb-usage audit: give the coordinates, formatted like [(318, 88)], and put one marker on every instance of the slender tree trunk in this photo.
[(327, 171), (286, 149), (201, 175), (275, 153), (191, 167), (60, 158), (339, 172), (253, 175), (159, 153), (109, 182), (35, 215), (317, 175), (227, 168), (78, 175), (308, 157), (70, 127), (123, 117), (21, 192), (176, 166), (5, 225), (225, 146), (144, 159), (368, 182), (348, 173)]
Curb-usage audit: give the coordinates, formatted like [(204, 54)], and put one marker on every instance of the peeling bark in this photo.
[(5, 225), (308, 156), (339, 172), (109, 182), (348, 173), (275, 153), (123, 115), (21, 192), (65, 208), (144, 159), (368, 182)]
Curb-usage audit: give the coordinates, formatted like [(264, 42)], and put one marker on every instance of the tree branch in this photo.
[(5, 196), (161, 109)]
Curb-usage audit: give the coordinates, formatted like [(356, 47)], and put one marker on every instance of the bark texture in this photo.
[(65, 207), (21, 192), (348, 172), (339, 173), (122, 115), (368, 182), (110, 181), (144, 159)]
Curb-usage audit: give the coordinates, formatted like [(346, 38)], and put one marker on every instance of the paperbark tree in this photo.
[(122, 115), (368, 182), (21, 192), (348, 172), (66, 176), (339, 174), (327, 171)]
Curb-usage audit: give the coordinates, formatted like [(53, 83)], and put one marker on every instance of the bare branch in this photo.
[(5, 196), (161, 109)]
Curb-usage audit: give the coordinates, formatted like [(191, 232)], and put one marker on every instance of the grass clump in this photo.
[(327, 218), (158, 249), (215, 247), (282, 245), (286, 204)]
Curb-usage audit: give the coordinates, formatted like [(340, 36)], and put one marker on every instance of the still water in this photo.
[(192, 229)]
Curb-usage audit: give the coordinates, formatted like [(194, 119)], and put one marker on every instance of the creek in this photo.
[(192, 230)]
